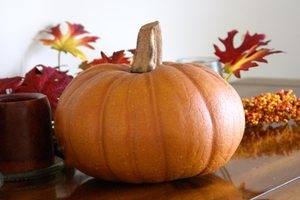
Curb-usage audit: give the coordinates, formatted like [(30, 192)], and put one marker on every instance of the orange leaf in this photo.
[(118, 57), (69, 42), (245, 56)]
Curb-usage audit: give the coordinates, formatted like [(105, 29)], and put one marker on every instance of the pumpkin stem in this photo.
[(148, 50)]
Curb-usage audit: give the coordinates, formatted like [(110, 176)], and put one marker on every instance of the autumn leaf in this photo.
[(10, 84), (118, 57), (46, 80), (247, 55), (69, 42)]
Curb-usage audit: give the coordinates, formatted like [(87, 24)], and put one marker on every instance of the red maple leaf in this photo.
[(46, 80), (118, 57), (245, 56), (10, 84)]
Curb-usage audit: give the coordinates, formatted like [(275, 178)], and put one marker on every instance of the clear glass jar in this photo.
[(210, 62)]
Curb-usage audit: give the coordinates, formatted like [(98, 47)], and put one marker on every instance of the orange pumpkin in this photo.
[(150, 122)]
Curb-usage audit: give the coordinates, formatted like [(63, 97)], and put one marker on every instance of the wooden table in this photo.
[(266, 166)]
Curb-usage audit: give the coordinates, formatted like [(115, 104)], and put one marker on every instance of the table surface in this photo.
[(265, 166)]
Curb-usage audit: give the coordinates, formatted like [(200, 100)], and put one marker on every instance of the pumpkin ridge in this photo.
[(111, 67), (137, 173), (220, 80), (232, 91), (86, 75), (215, 75), (101, 124), (202, 67), (69, 100), (67, 93), (212, 151), (170, 79), (211, 73), (111, 76), (158, 128), (230, 152)]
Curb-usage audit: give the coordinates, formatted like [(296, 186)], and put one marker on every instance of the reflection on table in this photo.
[(265, 159)]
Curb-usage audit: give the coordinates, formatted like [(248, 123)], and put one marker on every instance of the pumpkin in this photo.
[(153, 121)]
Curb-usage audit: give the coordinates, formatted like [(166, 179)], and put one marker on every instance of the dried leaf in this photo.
[(118, 57), (46, 80), (247, 55), (10, 84), (69, 42)]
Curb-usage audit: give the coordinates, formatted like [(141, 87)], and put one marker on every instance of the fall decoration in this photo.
[(41, 79), (69, 42), (153, 121), (247, 55), (270, 107), (118, 57), (8, 85), (282, 140)]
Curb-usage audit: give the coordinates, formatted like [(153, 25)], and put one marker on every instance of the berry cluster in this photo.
[(268, 108)]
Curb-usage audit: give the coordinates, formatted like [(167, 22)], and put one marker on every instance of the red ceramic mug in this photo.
[(25, 133)]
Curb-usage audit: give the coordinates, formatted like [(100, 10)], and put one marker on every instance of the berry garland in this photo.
[(269, 107)]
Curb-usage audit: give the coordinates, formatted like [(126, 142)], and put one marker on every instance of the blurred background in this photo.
[(190, 27)]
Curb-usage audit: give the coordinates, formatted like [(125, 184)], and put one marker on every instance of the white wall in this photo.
[(190, 27)]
